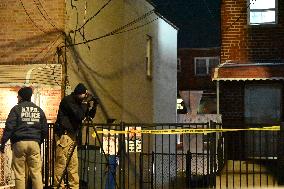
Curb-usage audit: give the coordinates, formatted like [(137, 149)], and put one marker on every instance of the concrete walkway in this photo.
[(245, 174)]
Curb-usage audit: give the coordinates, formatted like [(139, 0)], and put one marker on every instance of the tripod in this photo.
[(89, 123), (71, 151)]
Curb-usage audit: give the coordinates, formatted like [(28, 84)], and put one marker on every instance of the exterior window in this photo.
[(204, 65), (262, 12), (178, 65), (149, 57), (263, 104)]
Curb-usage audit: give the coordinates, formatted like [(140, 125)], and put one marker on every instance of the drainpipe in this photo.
[(28, 76), (218, 98), (36, 95)]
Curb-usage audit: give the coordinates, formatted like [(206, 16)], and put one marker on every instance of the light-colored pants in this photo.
[(63, 151), (27, 153)]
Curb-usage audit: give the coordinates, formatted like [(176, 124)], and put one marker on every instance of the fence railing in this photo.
[(148, 156)]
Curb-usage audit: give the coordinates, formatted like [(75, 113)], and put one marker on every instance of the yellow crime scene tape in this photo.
[(182, 131)]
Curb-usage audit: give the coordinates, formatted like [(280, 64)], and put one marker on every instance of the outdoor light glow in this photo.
[(179, 100), (9, 100), (262, 4)]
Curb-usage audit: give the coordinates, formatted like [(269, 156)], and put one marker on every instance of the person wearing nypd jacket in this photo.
[(26, 127), (73, 109)]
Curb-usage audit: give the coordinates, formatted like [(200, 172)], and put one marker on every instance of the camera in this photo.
[(91, 98)]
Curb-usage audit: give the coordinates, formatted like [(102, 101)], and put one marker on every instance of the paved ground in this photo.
[(244, 174)]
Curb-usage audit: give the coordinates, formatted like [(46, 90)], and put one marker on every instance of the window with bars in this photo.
[(262, 12), (204, 65)]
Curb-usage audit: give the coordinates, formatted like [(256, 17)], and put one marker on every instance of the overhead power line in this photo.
[(119, 30), (89, 19), (45, 17), (31, 18), (110, 34), (47, 48)]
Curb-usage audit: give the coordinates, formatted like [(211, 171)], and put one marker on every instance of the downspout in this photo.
[(36, 96), (215, 77), (28, 76), (218, 97)]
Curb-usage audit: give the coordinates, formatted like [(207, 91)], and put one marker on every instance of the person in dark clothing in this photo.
[(73, 109), (26, 127)]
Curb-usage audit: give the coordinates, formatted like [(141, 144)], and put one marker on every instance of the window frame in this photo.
[(179, 65), (262, 10), (149, 56), (207, 64)]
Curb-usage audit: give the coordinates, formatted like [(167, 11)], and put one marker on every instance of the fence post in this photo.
[(188, 167), (212, 156), (46, 162), (152, 170), (281, 155), (122, 154)]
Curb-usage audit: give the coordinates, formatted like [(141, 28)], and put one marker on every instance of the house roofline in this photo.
[(166, 20), (229, 64), (161, 16), (230, 71), (151, 3), (202, 48)]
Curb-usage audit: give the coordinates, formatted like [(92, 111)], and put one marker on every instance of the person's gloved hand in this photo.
[(2, 148)]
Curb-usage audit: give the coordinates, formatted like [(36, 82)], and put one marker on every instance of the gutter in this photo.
[(232, 65), (251, 64)]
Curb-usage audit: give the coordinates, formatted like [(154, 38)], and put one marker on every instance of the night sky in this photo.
[(198, 21)]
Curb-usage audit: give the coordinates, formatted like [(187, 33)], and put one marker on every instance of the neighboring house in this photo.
[(198, 94), (132, 68), (126, 53), (28, 54), (123, 50), (250, 77), (130, 65), (195, 86)]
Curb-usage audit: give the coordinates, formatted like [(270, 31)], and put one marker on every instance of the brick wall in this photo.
[(34, 39), (186, 79), (244, 43), (48, 100), (232, 103)]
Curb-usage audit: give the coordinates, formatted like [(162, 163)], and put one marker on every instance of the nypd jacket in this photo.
[(70, 115), (26, 121)]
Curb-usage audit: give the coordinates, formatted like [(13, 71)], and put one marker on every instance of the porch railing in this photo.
[(115, 158)]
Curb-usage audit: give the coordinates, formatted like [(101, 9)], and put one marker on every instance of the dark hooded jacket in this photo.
[(70, 115), (26, 121)]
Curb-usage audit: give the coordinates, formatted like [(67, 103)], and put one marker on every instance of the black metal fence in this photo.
[(110, 157)]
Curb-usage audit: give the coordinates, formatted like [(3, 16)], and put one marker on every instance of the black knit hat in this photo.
[(25, 93), (80, 89)]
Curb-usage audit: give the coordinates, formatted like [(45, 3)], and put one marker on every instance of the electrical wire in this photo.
[(118, 30), (45, 11), (111, 33), (134, 21), (137, 26), (48, 46), (48, 20), (31, 18), (89, 19)]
